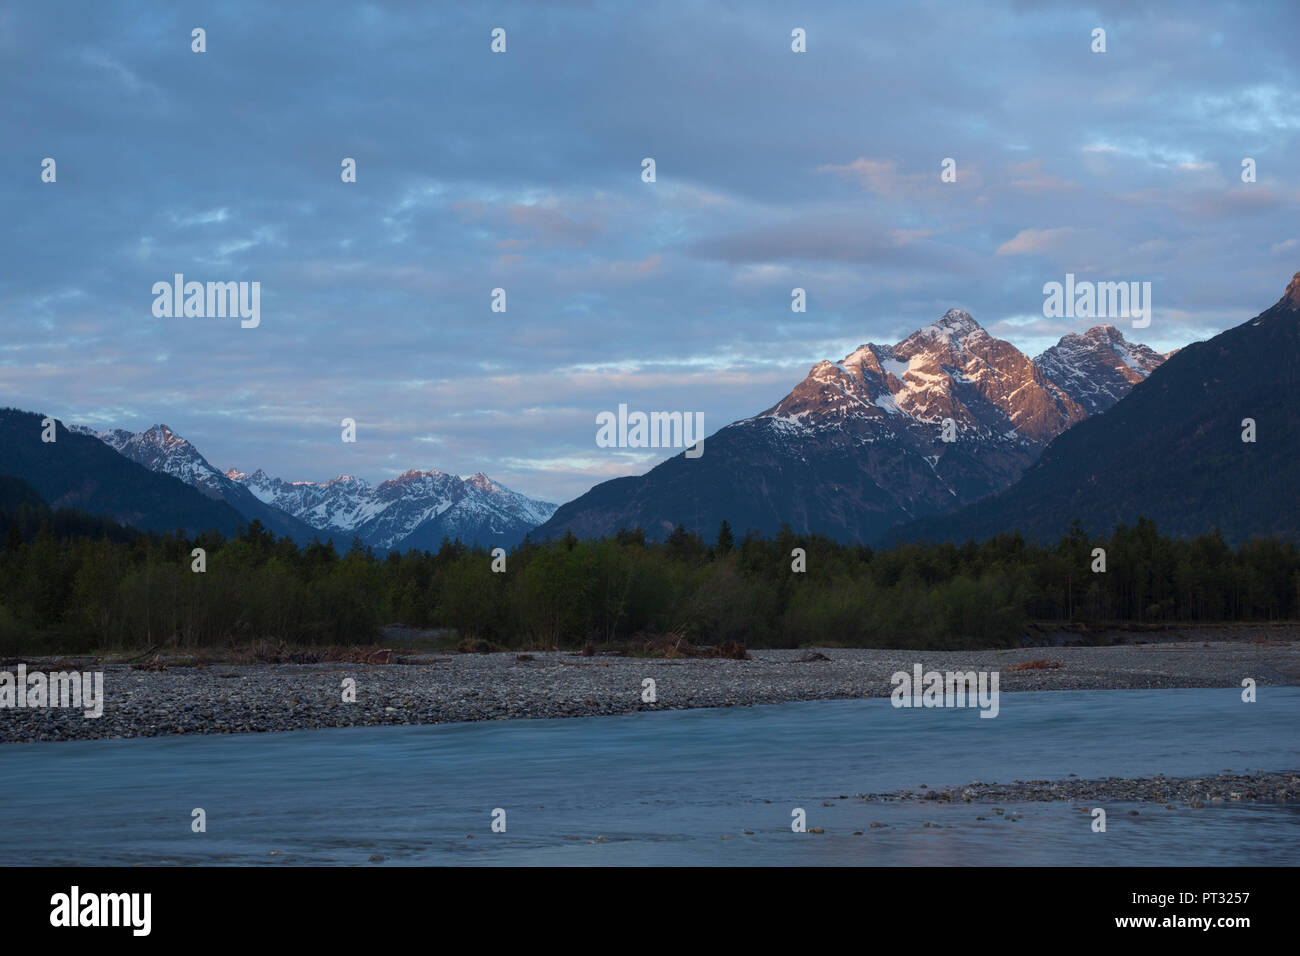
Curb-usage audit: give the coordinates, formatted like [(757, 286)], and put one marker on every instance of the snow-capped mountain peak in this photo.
[(956, 323), (859, 445), (160, 449), (415, 509), (1098, 367), (953, 329), (950, 369)]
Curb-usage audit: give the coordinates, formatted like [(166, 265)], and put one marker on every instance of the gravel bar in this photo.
[(430, 689), (1194, 792)]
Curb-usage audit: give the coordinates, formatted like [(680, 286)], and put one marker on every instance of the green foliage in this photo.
[(72, 582)]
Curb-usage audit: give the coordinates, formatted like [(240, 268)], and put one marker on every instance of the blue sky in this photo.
[(522, 171)]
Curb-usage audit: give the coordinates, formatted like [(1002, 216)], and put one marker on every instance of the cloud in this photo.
[(522, 171), (831, 237), (614, 271), (879, 176), (1030, 177), (545, 223), (1033, 241)]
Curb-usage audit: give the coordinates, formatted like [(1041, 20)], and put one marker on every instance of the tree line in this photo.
[(72, 582)]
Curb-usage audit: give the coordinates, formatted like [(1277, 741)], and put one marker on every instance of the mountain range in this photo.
[(158, 481), (858, 446), (1095, 428), (415, 510), (1172, 450), (79, 471), (163, 451)]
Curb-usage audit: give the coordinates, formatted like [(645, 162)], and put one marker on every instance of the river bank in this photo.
[(427, 688)]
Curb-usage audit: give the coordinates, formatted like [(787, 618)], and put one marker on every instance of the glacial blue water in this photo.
[(665, 788)]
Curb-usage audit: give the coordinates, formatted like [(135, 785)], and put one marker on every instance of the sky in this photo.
[(522, 170)]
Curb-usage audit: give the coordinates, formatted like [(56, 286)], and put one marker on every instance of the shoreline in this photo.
[(425, 688)]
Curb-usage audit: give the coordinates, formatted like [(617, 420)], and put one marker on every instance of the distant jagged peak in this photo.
[(160, 434), (955, 329), (1101, 339), (1098, 367), (1107, 333), (415, 474), (152, 439), (954, 324), (346, 481)]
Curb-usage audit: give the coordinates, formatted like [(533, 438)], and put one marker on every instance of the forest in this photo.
[(71, 582)]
